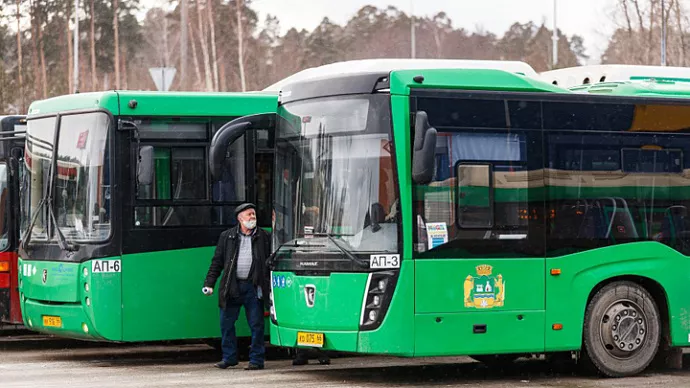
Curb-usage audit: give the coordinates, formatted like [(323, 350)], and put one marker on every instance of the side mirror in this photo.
[(423, 152), (145, 165)]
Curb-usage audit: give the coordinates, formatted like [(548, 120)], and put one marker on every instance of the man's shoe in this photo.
[(224, 364), (251, 366), (300, 361), (325, 361)]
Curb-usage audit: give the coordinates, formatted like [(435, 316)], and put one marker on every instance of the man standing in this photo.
[(241, 255)]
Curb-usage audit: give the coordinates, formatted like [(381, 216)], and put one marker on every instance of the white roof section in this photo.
[(575, 76), (389, 64)]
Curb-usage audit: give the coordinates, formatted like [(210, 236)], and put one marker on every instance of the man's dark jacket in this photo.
[(225, 260)]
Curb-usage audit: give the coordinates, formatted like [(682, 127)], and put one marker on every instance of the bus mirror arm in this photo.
[(424, 150), (230, 132)]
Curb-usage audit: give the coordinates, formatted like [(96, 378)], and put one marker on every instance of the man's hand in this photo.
[(207, 290)]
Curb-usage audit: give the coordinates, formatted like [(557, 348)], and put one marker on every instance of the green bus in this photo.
[(122, 216), (478, 211)]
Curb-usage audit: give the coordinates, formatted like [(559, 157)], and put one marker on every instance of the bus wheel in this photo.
[(496, 360), (622, 330)]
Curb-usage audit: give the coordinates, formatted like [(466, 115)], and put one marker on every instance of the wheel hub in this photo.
[(623, 328)]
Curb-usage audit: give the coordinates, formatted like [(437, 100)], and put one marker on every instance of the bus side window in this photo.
[(474, 196)]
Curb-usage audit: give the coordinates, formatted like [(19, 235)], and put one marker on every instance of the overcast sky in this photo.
[(589, 18)]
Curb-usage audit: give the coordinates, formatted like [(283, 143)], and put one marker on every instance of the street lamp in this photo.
[(554, 38), (663, 33), (413, 43)]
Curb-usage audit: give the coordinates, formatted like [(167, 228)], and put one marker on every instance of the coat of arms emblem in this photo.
[(484, 291)]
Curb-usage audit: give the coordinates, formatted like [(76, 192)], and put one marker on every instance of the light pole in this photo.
[(76, 47), (413, 43), (554, 59), (663, 33)]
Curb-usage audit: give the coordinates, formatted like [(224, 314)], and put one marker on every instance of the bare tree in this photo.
[(214, 50), (116, 33), (44, 75), (92, 39), (240, 44), (195, 58), (204, 47), (184, 41), (70, 48), (20, 66)]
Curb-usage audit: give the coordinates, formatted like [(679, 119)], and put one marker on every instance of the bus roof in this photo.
[(580, 75), (655, 88), (160, 103), (388, 65)]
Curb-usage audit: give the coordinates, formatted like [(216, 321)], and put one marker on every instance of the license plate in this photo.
[(50, 321), (310, 339)]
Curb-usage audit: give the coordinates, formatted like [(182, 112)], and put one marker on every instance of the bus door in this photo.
[(479, 260)]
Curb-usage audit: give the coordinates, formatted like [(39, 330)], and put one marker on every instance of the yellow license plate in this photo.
[(310, 339), (51, 321)]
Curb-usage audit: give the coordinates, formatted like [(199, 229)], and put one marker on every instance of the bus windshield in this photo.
[(81, 192), (334, 154), (40, 137)]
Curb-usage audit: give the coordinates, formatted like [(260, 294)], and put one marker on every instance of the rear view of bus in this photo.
[(121, 216), (12, 130)]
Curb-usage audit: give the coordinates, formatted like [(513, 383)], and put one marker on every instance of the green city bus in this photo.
[(122, 217), (478, 211)]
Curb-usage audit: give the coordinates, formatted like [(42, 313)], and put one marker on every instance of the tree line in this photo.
[(222, 45)]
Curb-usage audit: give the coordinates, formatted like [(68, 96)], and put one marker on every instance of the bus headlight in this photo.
[(377, 296)]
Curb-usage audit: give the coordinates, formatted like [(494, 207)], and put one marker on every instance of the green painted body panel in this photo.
[(395, 336), (197, 104), (524, 278), (343, 312), (161, 104), (67, 283), (61, 284), (157, 296), (505, 333), (81, 101), (511, 301), (468, 79), (162, 299), (568, 293)]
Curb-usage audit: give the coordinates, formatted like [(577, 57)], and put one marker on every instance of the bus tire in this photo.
[(496, 360), (622, 330)]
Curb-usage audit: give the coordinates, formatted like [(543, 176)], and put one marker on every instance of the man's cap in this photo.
[(244, 207)]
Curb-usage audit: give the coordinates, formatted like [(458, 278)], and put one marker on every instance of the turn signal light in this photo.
[(555, 271), (4, 266), (557, 326)]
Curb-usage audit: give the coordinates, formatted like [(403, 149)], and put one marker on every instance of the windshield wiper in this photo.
[(26, 241), (343, 249), (61, 240)]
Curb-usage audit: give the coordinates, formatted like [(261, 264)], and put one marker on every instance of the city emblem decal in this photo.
[(484, 291)]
